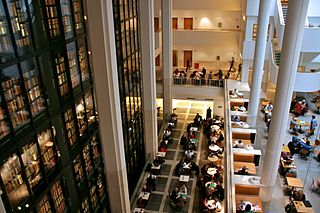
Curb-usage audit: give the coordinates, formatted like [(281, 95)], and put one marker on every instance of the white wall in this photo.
[(307, 82), (206, 5), (314, 8), (209, 19)]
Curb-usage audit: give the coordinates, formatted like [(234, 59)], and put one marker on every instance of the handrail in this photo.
[(198, 82), (228, 163), (280, 12)]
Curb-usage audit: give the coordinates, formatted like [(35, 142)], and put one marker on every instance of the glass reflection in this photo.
[(20, 25), (48, 154), (81, 117), (78, 169), (66, 18), (73, 65), (11, 86), (70, 127), (31, 82), (6, 48), (30, 159), (15, 186)]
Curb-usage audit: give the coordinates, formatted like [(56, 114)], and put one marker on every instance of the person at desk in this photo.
[(235, 118), (286, 158), (158, 161), (269, 107), (238, 144), (298, 195), (242, 108), (183, 140), (243, 171), (189, 153), (197, 120), (305, 149), (293, 126)]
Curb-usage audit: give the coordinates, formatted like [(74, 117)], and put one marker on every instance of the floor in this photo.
[(159, 201)]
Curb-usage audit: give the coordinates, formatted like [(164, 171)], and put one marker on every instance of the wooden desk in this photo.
[(255, 200), (300, 207), (250, 166), (294, 182), (285, 149)]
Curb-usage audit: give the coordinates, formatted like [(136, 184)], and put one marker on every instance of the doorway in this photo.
[(175, 58), (174, 23), (187, 57), (188, 23), (156, 24)]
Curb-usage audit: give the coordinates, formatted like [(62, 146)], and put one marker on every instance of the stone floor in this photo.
[(159, 201)]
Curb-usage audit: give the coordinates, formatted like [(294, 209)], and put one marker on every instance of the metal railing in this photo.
[(198, 82)]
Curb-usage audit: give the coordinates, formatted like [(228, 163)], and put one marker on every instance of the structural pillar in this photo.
[(245, 70), (166, 14), (293, 34), (2, 208), (105, 75), (258, 62), (149, 76)]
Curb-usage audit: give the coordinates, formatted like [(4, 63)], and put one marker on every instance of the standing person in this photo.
[(188, 65), (204, 71), (313, 124), (209, 113), (220, 74)]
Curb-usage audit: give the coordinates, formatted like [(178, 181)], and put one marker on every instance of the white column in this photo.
[(291, 47), (149, 76), (105, 75), (245, 70), (265, 78), (271, 30), (166, 14), (249, 28), (2, 208), (258, 62)]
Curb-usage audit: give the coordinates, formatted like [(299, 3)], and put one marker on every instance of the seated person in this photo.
[(197, 120), (248, 147), (268, 107), (158, 161), (243, 171), (286, 158), (235, 118), (183, 190), (189, 153), (183, 140), (238, 144), (151, 182), (298, 196), (294, 126), (242, 108)]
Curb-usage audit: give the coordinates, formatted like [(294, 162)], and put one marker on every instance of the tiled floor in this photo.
[(167, 181)]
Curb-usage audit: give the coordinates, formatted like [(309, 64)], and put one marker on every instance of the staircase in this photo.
[(277, 55)]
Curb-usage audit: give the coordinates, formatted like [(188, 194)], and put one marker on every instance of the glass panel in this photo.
[(4, 129), (48, 153), (95, 149), (66, 18), (52, 18), (58, 198), (31, 82), (30, 159), (6, 49), (44, 206), (78, 19), (87, 158), (15, 186), (73, 66), (83, 60), (100, 184), (93, 196), (89, 107), (12, 90), (20, 25), (61, 74), (81, 117), (85, 206), (71, 130), (78, 169)]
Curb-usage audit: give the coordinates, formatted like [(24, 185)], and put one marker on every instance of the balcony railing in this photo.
[(198, 82)]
